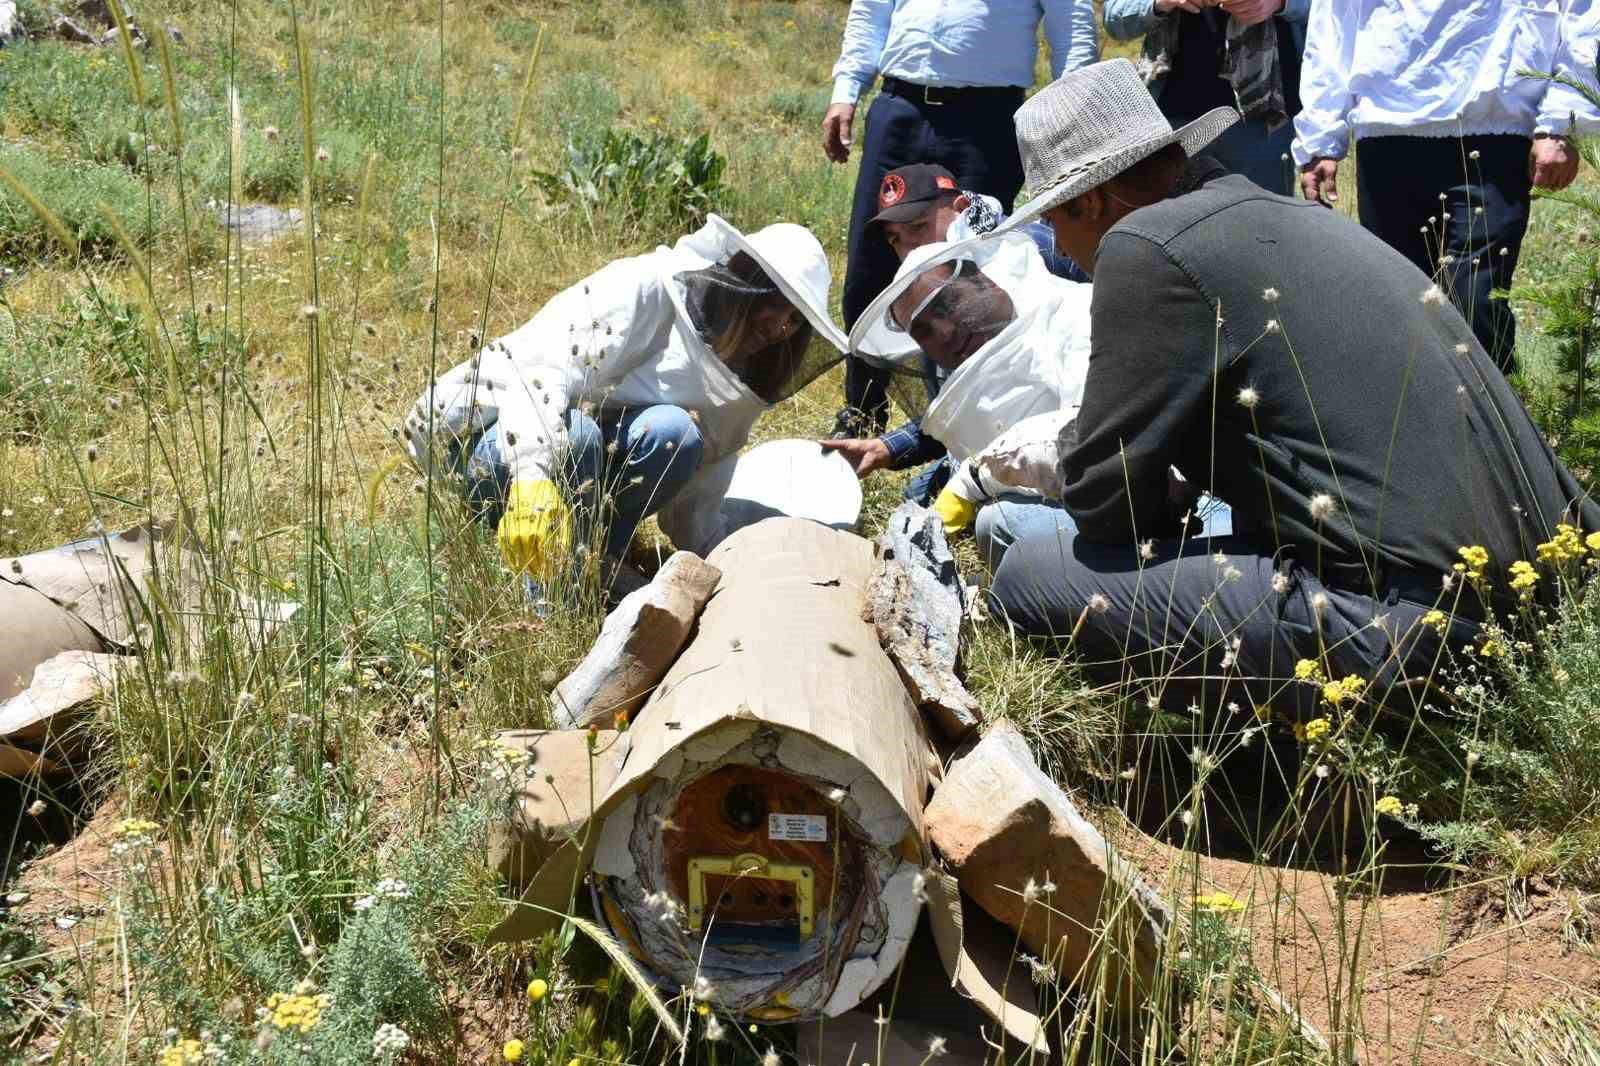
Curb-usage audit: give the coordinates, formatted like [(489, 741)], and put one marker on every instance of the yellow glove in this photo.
[(956, 512), (536, 530)]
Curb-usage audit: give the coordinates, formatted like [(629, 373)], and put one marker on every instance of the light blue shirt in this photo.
[(1127, 19), (957, 43)]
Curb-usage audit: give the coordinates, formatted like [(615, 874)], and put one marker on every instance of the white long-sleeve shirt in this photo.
[(957, 43), (1422, 68)]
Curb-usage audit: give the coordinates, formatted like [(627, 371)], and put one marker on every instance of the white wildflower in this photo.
[(366, 903), (389, 1040), (1232, 573), (308, 311), (714, 1030), (1187, 818), (36, 808), (1248, 398), (1030, 891), (1271, 326), (1472, 759), (936, 1047), (1280, 582), (1322, 507), (1323, 770), (1432, 296), (1270, 295), (1319, 601), (1462, 349), (1100, 603), (702, 989), (1147, 550)]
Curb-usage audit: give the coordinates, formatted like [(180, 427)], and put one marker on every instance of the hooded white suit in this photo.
[(1033, 369), (623, 337)]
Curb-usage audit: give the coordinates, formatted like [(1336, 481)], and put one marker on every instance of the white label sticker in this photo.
[(812, 828)]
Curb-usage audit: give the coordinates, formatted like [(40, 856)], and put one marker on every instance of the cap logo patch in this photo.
[(943, 182), (893, 191)]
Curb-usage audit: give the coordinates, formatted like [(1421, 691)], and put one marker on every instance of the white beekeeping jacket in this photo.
[(622, 337), (1034, 367)]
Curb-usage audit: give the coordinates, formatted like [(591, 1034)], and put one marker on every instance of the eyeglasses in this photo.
[(961, 266)]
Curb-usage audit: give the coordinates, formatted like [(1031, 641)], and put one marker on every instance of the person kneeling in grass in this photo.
[(1390, 492), (629, 394), (986, 331)]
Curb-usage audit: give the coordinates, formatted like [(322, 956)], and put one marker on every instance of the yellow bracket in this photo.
[(751, 865)]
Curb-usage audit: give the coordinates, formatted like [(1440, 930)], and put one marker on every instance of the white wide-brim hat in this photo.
[(793, 258), (1091, 124)]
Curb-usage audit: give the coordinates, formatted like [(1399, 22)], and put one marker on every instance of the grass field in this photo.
[(150, 367)]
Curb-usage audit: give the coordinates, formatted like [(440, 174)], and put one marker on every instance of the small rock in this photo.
[(17, 899), (1002, 824), (639, 641), (258, 224), (66, 922)]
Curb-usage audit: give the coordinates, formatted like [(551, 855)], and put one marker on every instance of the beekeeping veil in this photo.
[(782, 265), (1004, 337)]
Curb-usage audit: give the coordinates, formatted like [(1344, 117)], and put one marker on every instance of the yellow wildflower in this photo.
[(1437, 619), (1523, 578), (1593, 541), (298, 1011), (1474, 558), (703, 1009), (1218, 901), (1346, 689), (537, 989), (1563, 547), (184, 1053), (513, 1050), (1389, 805), (1308, 670), (1312, 731), (1491, 649), (134, 827)]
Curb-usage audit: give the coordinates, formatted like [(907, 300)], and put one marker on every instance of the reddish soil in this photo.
[(1437, 968)]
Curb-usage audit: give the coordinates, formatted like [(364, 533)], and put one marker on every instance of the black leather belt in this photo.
[(940, 95)]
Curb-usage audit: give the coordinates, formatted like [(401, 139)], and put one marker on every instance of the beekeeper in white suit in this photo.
[(1010, 341), (630, 393)]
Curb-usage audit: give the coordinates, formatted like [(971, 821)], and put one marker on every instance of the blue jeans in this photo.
[(1014, 517), (657, 450)]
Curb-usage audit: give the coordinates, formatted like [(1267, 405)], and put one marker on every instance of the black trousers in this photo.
[(1461, 220), (971, 135), (1199, 625)]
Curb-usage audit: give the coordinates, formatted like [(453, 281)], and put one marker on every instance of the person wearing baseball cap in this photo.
[(918, 205), (1298, 367)]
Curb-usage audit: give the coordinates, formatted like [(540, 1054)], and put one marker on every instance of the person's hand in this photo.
[(1319, 181), (836, 131), (1250, 12), (956, 513), (536, 529), (1167, 7), (865, 454), (1553, 163)]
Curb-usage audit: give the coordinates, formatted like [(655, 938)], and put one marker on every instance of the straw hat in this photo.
[(1090, 125)]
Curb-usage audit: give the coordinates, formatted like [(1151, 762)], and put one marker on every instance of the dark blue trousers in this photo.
[(974, 138), (1399, 185)]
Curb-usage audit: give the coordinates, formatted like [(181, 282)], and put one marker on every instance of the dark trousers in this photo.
[(1197, 626), (974, 138), (1471, 252)]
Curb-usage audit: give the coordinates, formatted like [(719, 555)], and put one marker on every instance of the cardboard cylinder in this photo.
[(765, 834)]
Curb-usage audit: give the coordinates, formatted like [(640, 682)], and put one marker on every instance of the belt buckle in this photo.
[(927, 98)]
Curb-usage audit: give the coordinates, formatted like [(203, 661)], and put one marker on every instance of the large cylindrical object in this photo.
[(765, 834)]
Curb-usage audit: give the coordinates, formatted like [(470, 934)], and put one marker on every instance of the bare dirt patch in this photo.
[(1436, 968)]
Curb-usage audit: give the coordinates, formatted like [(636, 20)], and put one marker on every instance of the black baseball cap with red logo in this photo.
[(906, 192)]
